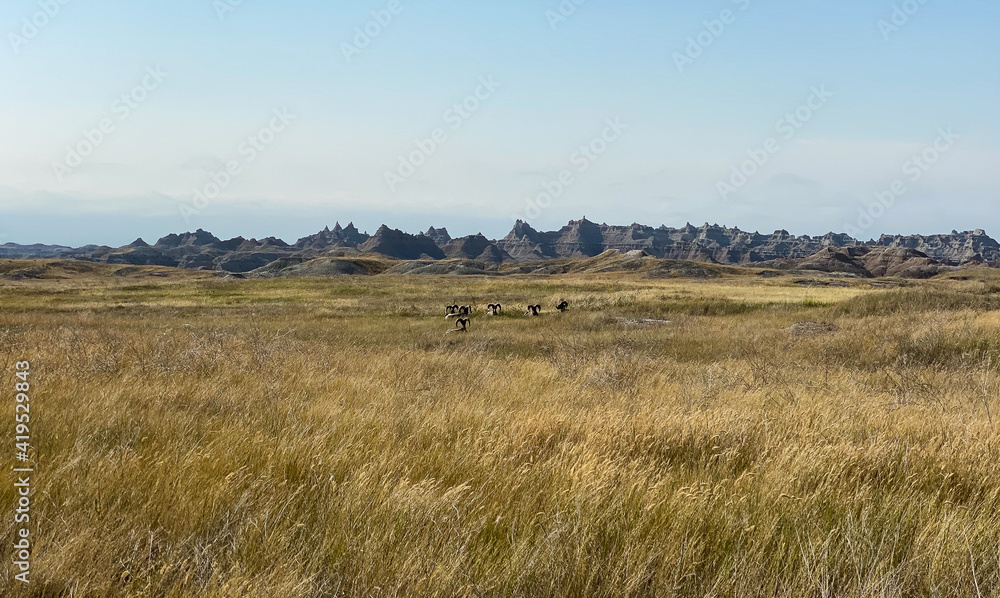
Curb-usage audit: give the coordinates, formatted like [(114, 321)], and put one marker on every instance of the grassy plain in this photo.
[(305, 437)]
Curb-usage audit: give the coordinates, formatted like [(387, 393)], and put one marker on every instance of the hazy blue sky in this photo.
[(223, 77)]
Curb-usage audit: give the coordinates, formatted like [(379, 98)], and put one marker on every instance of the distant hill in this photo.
[(911, 255)]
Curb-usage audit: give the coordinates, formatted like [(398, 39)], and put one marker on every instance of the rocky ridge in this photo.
[(899, 255)]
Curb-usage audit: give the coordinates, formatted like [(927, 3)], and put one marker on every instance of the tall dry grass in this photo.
[(273, 438)]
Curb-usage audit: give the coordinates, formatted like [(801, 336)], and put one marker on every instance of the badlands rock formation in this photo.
[(906, 256)]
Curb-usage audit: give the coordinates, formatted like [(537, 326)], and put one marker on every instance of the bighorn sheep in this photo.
[(533, 310), (563, 306), (462, 325), (494, 309)]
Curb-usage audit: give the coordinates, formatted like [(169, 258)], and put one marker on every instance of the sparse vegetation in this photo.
[(201, 437)]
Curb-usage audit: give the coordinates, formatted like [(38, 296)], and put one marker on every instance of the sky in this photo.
[(123, 119)]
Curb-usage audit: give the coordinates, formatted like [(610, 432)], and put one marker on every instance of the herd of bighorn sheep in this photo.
[(463, 313)]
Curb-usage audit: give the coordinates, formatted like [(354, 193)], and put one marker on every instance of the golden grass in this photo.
[(198, 437)]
